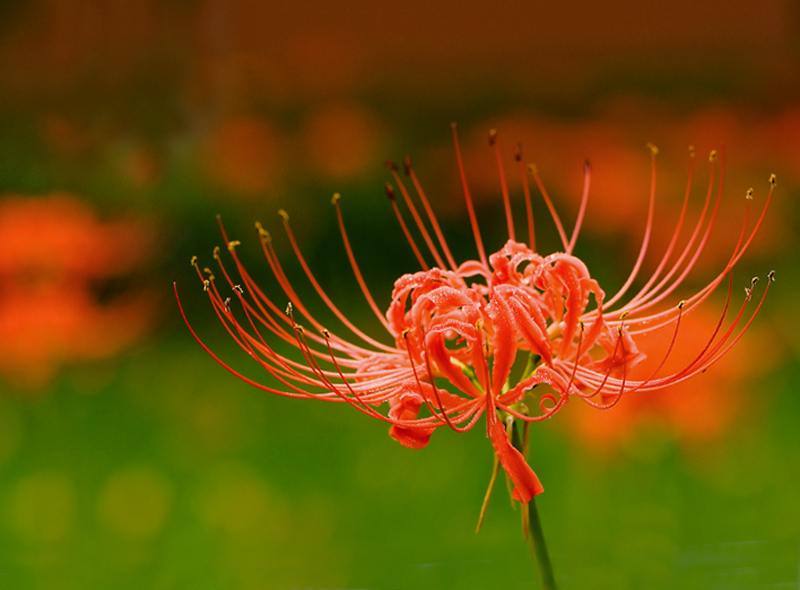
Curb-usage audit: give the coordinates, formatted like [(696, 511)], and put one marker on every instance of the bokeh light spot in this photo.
[(236, 501), (242, 154), (135, 502), (341, 140), (42, 507)]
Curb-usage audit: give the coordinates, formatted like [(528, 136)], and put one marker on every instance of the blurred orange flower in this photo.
[(242, 155), (57, 278), (691, 411)]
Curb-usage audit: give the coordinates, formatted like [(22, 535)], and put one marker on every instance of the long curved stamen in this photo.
[(534, 171), (527, 193), (470, 208), (409, 171), (648, 229), (587, 176), (503, 184), (415, 214), (356, 271), (390, 193), (673, 241), (321, 292)]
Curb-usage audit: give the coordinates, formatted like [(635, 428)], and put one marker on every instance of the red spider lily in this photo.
[(476, 338)]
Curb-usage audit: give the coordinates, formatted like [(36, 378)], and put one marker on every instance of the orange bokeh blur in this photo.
[(699, 410), (58, 260)]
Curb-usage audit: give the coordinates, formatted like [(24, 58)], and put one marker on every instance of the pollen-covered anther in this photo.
[(681, 304), (210, 274), (771, 276), (712, 156), (653, 149), (749, 194), (238, 289), (227, 304), (582, 326), (289, 309), (284, 215), (326, 334), (262, 233), (206, 285), (772, 179), (336, 198), (194, 261), (299, 328), (232, 245), (216, 252), (532, 169), (691, 151), (492, 136)]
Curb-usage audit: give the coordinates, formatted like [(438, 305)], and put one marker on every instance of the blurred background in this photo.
[(129, 459)]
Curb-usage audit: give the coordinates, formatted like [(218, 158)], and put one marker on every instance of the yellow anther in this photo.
[(194, 261), (532, 169), (581, 325), (681, 304), (232, 244), (623, 315), (209, 273), (289, 308), (299, 328), (771, 276), (772, 179), (216, 252), (405, 332), (238, 289), (335, 199), (227, 303), (325, 333), (712, 156), (206, 285), (691, 151), (653, 149), (749, 194), (284, 215)]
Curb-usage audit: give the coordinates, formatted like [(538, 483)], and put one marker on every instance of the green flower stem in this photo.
[(539, 547), (535, 533)]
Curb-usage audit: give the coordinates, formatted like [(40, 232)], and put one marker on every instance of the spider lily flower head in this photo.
[(473, 339)]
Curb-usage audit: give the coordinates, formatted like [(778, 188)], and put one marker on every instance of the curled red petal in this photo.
[(526, 484)]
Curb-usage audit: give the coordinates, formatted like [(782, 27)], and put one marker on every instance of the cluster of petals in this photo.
[(474, 339)]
